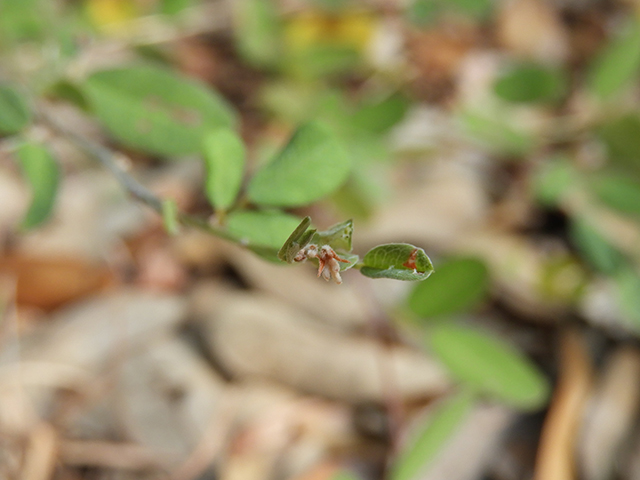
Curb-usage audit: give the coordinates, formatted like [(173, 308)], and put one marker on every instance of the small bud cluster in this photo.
[(328, 265)]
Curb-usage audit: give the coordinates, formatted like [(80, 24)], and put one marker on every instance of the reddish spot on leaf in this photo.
[(411, 261)]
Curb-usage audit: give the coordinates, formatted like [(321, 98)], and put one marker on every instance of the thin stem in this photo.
[(109, 160)]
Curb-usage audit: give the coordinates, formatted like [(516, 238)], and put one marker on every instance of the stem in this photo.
[(109, 160)]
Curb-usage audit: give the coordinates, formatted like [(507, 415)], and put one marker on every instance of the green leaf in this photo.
[(489, 365), (25, 20), (400, 261), (433, 434), (554, 179), (378, 117), (352, 258), (621, 137), (261, 228), (311, 166), (594, 247), (337, 237), (155, 110), (618, 64), (224, 157), (478, 9), (424, 12), (43, 174), (619, 192), (257, 31), (298, 239), (170, 216), (460, 285), (174, 7), (15, 113), (530, 83)]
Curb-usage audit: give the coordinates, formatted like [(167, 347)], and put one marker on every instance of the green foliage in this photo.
[(436, 430), (400, 261), (594, 247), (299, 238), (618, 64), (489, 365), (41, 171), (460, 285), (426, 12), (156, 110), (15, 113), (338, 236), (619, 192), (224, 157), (174, 7), (621, 137), (311, 166), (257, 31), (23, 20), (531, 83), (379, 116), (170, 216), (261, 228), (555, 177)]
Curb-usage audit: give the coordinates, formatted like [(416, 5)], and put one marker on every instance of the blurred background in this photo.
[(501, 136)]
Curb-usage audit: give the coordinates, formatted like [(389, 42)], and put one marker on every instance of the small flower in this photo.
[(328, 265)]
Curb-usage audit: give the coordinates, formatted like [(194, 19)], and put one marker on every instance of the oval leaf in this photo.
[(42, 172), (310, 167), (618, 65), (436, 430), (460, 285), (490, 365), (261, 228), (224, 157), (400, 261), (14, 110), (154, 110)]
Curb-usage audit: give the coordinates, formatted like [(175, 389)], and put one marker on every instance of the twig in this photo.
[(109, 159)]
